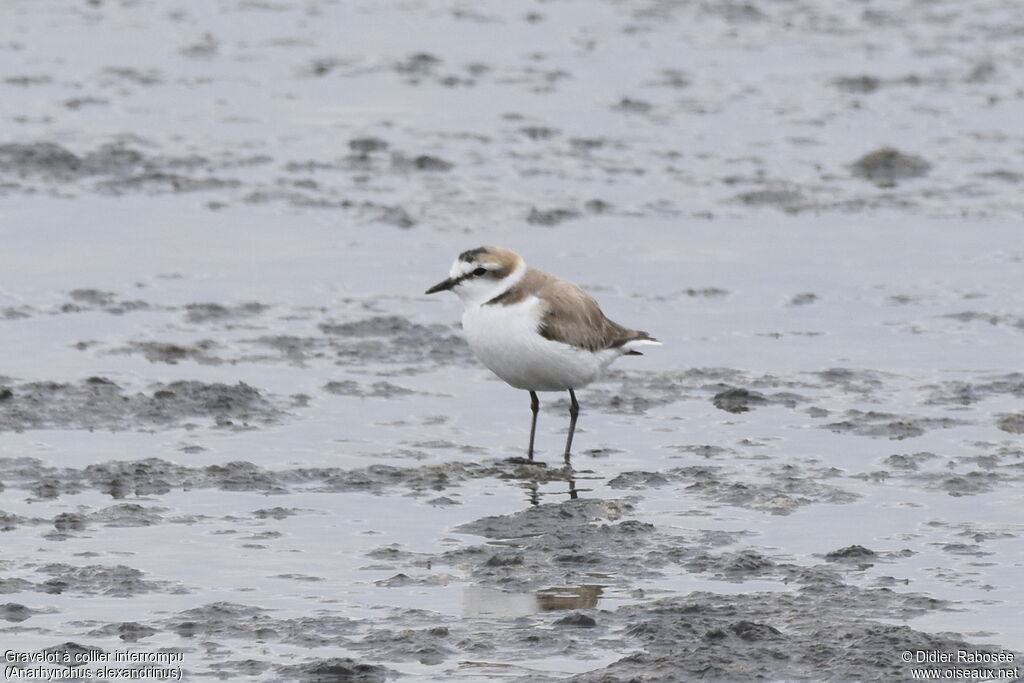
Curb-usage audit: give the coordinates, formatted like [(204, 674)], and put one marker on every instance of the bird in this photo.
[(533, 330)]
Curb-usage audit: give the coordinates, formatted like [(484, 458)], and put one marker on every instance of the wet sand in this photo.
[(234, 434)]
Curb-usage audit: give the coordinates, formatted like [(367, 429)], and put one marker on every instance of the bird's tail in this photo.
[(642, 339)]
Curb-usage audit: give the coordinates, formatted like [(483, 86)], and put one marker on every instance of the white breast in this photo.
[(505, 339)]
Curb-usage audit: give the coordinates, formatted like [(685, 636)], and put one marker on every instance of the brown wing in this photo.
[(573, 317)]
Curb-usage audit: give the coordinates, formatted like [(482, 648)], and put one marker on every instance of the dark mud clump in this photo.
[(367, 145), (334, 670), (556, 544), (15, 612), (772, 636), (417, 64), (430, 645), (581, 546), (996, 467), (397, 216), (549, 217), (783, 199), (376, 390), (115, 581), (738, 566), (71, 651), (274, 513), (41, 158), (128, 631), (571, 543), (539, 132), (850, 380), (887, 166), (159, 182), (98, 403), (116, 168), (1012, 423), (539, 519), (851, 553), (95, 297), (641, 391), (741, 400), (803, 299), (16, 312), (209, 312), (965, 393), (858, 85), (122, 515), (576, 620), (738, 400), (387, 339), (889, 425), (172, 354), (632, 106), (223, 402), (154, 476), (910, 461), (990, 318), (637, 480), (219, 620), (779, 490), (89, 299), (423, 162)]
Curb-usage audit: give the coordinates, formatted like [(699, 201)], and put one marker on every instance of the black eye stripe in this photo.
[(465, 276)]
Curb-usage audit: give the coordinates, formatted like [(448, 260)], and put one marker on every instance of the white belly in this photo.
[(505, 339)]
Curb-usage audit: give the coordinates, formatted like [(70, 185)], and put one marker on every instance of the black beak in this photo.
[(441, 286)]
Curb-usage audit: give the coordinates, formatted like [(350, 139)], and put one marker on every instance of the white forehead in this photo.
[(460, 267)]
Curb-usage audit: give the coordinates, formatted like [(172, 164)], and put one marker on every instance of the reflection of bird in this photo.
[(569, 597), (533, 330)]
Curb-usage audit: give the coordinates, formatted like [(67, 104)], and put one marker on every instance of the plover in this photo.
[(533, 330)]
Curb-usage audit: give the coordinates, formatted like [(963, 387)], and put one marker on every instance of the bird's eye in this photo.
[(479, 272)]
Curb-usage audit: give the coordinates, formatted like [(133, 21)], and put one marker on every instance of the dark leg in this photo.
[(534, 406), (574, 411)]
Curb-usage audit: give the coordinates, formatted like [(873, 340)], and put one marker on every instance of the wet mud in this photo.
[(233, 429), (715, 637), (580, 568), (99, 403)]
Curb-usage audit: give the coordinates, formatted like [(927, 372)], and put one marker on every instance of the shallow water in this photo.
[(827, 443)]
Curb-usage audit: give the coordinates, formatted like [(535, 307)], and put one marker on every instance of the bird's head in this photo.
[(478, 275)]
